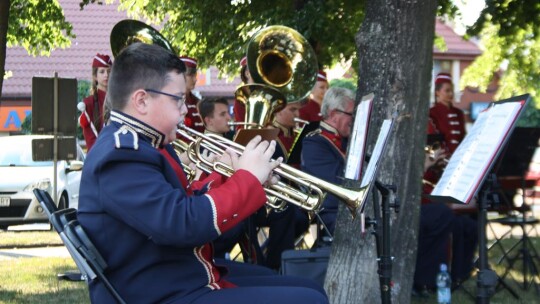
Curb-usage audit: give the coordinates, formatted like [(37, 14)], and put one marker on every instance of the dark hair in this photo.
[(140, 66), (207, 105)]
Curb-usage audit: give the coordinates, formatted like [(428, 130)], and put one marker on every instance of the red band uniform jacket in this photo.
[(88, 133), (450, 122), (193, 118), (311, 111)]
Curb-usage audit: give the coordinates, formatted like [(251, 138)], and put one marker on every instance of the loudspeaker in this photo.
[(42, 149), (43, 106)]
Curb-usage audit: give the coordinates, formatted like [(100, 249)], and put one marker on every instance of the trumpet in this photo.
[(310, 200), (182, 147), (242, 123), (299, 125)]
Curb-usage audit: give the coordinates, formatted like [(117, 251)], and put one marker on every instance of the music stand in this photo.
[(512, 171), (469, 174)]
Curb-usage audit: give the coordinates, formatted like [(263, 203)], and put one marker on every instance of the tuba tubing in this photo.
[(311, 201)]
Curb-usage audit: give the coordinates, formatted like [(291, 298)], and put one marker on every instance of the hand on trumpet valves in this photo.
[(256, 158), (184, 158), (225, 158)]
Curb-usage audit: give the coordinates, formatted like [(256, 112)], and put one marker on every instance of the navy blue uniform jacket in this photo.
[(152, 234), (323, 157)]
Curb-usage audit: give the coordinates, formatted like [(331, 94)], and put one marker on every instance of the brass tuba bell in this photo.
[(284, 68), (280, 57), (260, 104), (130, 31)]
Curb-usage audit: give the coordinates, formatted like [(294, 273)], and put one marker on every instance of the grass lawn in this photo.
[(514, 280), (33, 280), (18, 239)]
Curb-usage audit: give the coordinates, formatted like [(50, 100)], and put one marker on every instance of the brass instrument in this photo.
[(182, 147), (242, 123), (129, 31), (299, 125), (284, 68), (311, 201), (260, 104), (279, 57)]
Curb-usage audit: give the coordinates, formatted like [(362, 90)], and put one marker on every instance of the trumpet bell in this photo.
[(129, 31), (280, 57), (261, 102)]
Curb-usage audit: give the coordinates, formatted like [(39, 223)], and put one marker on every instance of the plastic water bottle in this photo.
[(444, 284)]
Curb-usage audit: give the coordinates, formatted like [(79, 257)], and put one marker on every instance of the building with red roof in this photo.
[(92, 27)]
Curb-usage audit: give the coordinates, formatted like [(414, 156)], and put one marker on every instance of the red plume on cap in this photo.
[(101, 61), (442, 78), (189, 62), (243, 61), (321, 76)]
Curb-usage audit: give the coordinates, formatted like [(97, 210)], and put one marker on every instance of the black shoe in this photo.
[(420, 292)]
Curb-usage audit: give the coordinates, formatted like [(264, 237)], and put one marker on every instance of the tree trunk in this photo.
[(394, 46), (4, 17)]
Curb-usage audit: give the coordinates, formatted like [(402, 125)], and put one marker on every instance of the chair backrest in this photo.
[(78, 237), (46, 201), (58, 218)]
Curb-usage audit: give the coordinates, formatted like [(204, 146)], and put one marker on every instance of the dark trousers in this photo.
[(284, 228), (436, 221), (267, 289), (464, 241)]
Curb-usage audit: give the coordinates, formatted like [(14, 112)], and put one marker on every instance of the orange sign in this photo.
[(12, 117)]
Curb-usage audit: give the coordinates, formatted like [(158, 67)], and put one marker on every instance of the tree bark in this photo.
[(394, 46), (4, 18)]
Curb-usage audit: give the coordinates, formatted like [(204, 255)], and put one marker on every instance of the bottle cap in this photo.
[(444, 267)]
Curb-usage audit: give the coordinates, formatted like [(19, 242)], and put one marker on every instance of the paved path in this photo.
[(56, 251)]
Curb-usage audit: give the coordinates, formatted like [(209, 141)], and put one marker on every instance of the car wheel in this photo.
[(3, 227), (62, 204)]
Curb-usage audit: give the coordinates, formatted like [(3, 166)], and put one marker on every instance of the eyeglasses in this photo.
[(179, 99), (346, 113)]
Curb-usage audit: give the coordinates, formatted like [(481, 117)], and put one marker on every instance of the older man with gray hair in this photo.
[(323, 150)]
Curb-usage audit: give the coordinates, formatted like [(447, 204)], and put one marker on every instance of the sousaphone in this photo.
[(281, 58), (130, 31)]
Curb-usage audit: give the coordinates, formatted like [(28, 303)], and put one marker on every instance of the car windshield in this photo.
[(20, 156)]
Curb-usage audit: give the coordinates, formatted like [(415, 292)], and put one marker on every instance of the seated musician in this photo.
[(437, 223), (215, 115), (239, 109), (192, 119), (152, 229), (323, 150), (291, 222), (311, 111)]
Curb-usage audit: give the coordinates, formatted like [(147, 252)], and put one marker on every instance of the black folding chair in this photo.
[(86, 257), (76, 235), (58, 223)]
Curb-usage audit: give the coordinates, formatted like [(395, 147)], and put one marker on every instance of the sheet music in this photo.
[(355, 157), (371, 169), (473, 157)]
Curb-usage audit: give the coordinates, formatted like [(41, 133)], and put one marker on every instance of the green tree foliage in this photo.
[(216, 31), (509, 34), (37, 25)]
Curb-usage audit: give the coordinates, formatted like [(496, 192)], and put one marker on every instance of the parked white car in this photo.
[(19, 175)]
